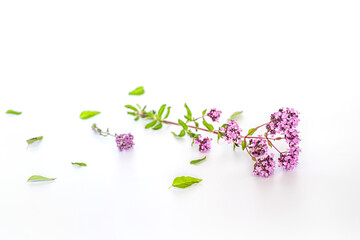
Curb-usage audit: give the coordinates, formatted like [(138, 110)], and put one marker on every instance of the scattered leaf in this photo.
[(235, 115), (137, 91), (13, 112), (79, 164), (184, 182), (198, 160), (88, 114), (32, 140), (35, 178)]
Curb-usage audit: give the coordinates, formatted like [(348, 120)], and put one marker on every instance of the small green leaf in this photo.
[(35, 178), (13, 112), (183, 124), (161, 110), (252, 131), (139, 107), (235, 115), (131, 113), (79, 164), (189, 114), (88, 114), (157, 127), (204, 112), (184, 182), (181, 134), (196, 125), (131, 107), (167, 112), (137, 91), (32, 140), (219, 136), (187, 118), (270, 144), (243, 144), (208, 126), (137, 118), (198, 160), (151, 124)]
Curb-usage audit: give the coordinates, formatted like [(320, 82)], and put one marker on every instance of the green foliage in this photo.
[(184, 182), (36, 178), (208, 126), (235, 115), (88, 114), (32, 140), (252, 131), (79, 164), (188, 111), (243, 144), (181, 134), (137, 91), (13, 112), (167, 112), (158, 126), (197, 160), (150, 124), (161, 110), (131, 107), (183, 124), (204, 112)]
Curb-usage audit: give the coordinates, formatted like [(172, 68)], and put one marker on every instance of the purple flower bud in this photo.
[(124, 141), (214, 115)]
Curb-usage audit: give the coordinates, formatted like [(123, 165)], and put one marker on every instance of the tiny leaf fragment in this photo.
[(36, 178), (88, 114), (13, 112), (32, 140), (137, 91), (79, 164), (197, 160)]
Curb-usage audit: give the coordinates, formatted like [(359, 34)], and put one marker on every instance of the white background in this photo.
[(58, 58)]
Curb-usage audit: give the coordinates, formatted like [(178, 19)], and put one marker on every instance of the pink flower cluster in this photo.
[(257, 146), (204, 144), (284, 122), (264, 167), (214, 115), (232, 132), (124, 141)]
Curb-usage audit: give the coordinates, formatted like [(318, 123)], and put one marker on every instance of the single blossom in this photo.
[(264, 167), (124, 141), (204, 144), (257, 146), (214, 115), (232, 132)]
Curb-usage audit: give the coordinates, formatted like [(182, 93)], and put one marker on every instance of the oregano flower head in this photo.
[(232, 132), (204, 144), (264, 167), (124, 141), (258, 146), (214, 115)]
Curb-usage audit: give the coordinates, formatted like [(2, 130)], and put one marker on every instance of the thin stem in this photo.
[(101, 132)]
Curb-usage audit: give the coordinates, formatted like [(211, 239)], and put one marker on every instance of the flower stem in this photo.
[(101, 132)]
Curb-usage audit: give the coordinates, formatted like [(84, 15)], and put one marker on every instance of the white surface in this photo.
[(58, 58)]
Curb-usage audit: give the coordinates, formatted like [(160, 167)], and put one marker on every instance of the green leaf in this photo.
[(88, 114), (189, 114), (79, 164), (187, 118), (13, 112), (151, 124), (167, 112), (204, 112), (131, 113), (161, 110), (196, 125), (184, 182), (198, 160), (183, 124), (35, 178), (131, 107), (235, 115), (181, 134), (219, 136), (137, 118), (243, 144), (208, 126), (32, 140), (157, 127), (252, 131), (137, 91)]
